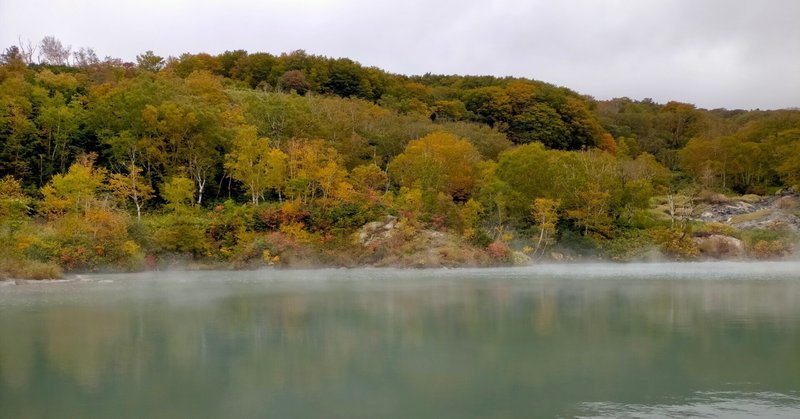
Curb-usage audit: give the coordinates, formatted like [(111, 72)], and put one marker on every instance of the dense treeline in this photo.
[(253, 157)]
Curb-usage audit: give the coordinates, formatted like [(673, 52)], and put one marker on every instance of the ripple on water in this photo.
[(713, 404)]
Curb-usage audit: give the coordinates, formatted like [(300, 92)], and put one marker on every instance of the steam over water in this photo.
[(595, 340)]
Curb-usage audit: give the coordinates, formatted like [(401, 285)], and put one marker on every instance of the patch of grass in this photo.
[(751, 237), (649, 218), (753, 216), (751, 198), (712, 197), (628, 245), (706, 229), (27, 269), (787, 203)]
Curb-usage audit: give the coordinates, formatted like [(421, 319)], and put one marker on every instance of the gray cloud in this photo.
[(714, 53)]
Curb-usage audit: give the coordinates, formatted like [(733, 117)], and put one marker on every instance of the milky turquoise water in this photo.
[(641, 341)]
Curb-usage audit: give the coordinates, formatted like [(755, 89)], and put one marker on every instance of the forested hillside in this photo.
[(247, 160)]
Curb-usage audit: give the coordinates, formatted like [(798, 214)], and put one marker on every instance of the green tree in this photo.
[(150, 61), (14, 207), (179, 193)]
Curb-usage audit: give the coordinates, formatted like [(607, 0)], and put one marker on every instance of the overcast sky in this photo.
[(713, 53)]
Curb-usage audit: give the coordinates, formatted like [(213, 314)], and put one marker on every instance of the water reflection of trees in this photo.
[(437, 347)]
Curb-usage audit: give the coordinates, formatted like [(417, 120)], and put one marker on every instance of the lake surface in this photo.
[(608, 341)]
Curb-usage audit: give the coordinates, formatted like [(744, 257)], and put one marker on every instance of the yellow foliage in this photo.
[(676, 243), (312, 168), (24, 241), (297, 231), (269, 259), (255, 164), (471, 213), (368, 178), (439, 162), (771, 249), (74, 191), (130, 248), (545, 216), (290, 209)]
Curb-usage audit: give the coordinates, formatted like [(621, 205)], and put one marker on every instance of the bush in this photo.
[(267, 218), (771, 249), (179, 233), (499, 251), (675, 243), (708, 229), (627, 245)]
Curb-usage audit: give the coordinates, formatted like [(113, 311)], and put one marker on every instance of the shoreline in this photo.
[(600, 268)]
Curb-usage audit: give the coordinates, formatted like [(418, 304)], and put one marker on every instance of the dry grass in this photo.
[(787, 203), (752, 216), (27, 269), (751, 198), (712, 197)]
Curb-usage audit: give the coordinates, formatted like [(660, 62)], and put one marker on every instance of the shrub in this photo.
[(499, 251), (267, 218), (627, 245), (179, 233), (676, 243), (714, 228), (771, 249)]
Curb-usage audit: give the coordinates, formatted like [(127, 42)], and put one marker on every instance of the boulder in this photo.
[(720, 246), (377, 230)]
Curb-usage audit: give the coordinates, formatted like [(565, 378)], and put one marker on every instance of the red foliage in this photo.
[(499, 251), (151, 261)]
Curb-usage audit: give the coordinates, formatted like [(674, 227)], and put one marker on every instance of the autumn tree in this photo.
[(438, 162), (188, 137), (76, 190), (131, 186), (52, 52), (545, 217), (789, 149), (85, 57), (369, 178), (294, 80), (254, 163), (314, 171)]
